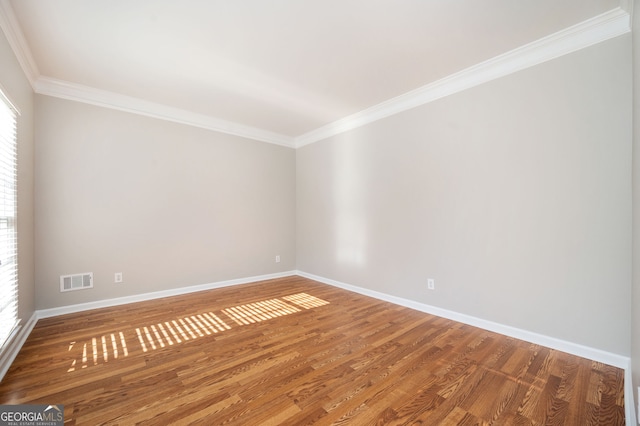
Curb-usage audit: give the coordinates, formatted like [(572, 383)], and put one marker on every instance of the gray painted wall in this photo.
[(515, 196), (167, 205), (635, 328), (17, 88)]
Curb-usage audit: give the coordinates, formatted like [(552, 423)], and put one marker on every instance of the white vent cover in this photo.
[(76, 281)]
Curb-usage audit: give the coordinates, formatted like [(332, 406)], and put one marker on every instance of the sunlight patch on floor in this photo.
[(168, 333)]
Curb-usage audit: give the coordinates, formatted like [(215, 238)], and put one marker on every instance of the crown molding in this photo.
[(592, 31), (12, 30), (77, 92)]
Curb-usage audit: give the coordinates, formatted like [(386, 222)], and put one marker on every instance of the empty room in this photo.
[(319, 212)]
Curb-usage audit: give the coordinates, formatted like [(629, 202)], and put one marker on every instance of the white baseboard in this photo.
[(528, 336), (14, 346), (52, 312), (7, 357), (11, 351)]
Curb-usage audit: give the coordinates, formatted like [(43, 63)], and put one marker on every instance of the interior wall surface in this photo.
[(635, 327), (165, 204), (514, 196)]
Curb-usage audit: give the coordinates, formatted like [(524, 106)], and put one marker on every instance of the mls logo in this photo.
[(31, 415)]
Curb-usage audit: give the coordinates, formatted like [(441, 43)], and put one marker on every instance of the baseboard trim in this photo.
[(10, 353), (69, 309), (594, 354), (539, 339)]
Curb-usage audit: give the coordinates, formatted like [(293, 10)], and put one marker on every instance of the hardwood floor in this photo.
[(292, 351)]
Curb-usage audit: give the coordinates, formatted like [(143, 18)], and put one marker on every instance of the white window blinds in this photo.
[(8, 237)]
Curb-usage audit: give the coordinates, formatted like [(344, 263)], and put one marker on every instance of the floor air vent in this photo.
[(76, 281)]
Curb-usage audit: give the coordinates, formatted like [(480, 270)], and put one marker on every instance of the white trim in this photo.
[(629, 405), (9, 354), (528, 336), (592, 31), (15, 343), (104, 98), (627, 5), (80, 93), (69, 309), (4, 96), (12, 30)]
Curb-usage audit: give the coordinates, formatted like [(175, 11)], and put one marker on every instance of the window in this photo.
[(8, 208)]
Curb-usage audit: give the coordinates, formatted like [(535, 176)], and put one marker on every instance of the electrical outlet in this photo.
[(278, 259), (431, 284), (118, 277)]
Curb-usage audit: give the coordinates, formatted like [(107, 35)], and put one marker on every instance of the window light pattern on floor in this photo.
[(180, 330), (259, 311), (93, 347), (306, 301), (168, 333)]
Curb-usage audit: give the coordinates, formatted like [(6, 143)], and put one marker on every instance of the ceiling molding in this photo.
[(76, 92), (592, 31), (12, 30)]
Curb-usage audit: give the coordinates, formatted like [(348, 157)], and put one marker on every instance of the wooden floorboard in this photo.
[(292, 351)]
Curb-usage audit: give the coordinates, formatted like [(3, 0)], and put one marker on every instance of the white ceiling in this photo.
[(282, 66)]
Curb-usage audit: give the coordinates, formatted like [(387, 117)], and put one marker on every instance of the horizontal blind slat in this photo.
[(8, 235)]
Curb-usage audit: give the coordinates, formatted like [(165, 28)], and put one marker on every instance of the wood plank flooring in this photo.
[(293, 352)]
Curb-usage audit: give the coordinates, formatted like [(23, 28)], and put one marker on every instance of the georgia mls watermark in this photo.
[(31, 415)]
